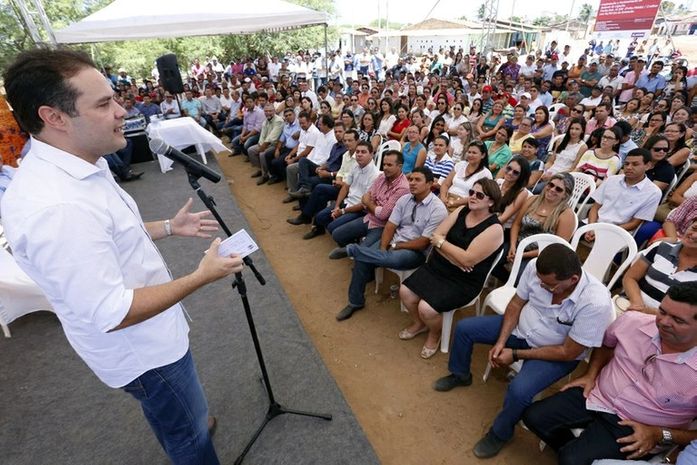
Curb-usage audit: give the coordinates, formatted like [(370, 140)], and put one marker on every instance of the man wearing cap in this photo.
[(630, 80), (589, 78), (549, 69), (124, 78), (653, 81), (487, 101)]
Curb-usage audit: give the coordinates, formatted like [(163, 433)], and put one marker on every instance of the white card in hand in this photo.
[(239, 243)]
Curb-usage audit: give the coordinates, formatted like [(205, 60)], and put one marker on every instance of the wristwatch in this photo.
[(666, 437), (439, 244), (393, 246)]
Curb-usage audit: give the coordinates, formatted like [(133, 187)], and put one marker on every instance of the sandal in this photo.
[(405, 334), (427, 352)]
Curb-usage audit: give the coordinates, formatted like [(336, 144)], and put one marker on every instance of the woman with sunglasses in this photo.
[(603, 161), (566, 152), (498, 149), (488, 125), (465, 135), (464, 248), (455, 119), (454, 190), (437, 128), (475, 113), (441, 109), (413, 151), (676, 133), (653, 126), (548, 213), (514, 192), (661, 172)]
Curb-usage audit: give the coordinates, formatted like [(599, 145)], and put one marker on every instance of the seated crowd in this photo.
[(439, 168)]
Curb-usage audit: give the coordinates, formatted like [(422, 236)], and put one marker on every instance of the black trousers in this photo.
[(552, 419)]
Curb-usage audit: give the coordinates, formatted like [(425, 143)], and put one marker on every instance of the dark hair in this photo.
[(645, 154), (438, 119), (663, 115), (519, 184), (327, 120), (444, 138), (680, 143), (396, 153), (545, 110), (492, 190), (389, 104), (365, 143), (426, 171), (531, 141), (40, 78), (653, 140), (625, 127), (560, 260), (509, 132), (304, 114), (684, 292), (484, 163), (565, 140), (352, 132)]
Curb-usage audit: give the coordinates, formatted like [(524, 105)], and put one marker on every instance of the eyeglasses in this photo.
[(477, 195), (608, 137), (555, 187), (511, 170), (660, 149)]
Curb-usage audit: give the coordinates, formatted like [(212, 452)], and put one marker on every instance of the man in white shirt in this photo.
[(309, 138), (613, 79), (170, 107), (306, 92), (80, 237), (274, 68), (626, 199), (528, 68)]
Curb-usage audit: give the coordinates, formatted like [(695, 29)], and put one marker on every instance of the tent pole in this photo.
[(326, 53)]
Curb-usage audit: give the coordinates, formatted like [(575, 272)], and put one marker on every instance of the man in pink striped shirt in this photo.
[(639, 393)]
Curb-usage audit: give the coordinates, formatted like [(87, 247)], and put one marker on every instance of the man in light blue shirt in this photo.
[(653, 81)]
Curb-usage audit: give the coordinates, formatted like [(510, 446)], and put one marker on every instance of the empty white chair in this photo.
[(448, 316), (670, 188), (583, 184), (609, 241), (384, 147), (19, 295)]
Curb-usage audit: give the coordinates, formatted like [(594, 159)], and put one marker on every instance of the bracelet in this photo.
[(168, 227), (515, 355), (440, 243), (343, 211)]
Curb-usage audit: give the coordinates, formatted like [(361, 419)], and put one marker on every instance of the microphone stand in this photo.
[(275, 409)]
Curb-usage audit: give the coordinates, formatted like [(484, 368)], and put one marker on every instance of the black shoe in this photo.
[(256, 174), (288, 199), (300, 193), (273, 180), (233, 153), (338, 253), (132, 176), (300, 219), (446, 383), (262, 180), (488, 446), (312, 233), (347, 312)]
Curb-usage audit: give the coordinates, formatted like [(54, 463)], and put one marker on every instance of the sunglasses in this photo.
[(577, 110), (511, 170), (555, 187), (477, 195), (660, 149)]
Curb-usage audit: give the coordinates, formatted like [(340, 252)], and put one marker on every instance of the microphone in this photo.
[(192, 166)]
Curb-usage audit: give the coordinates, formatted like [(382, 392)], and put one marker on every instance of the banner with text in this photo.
[(625, 18)]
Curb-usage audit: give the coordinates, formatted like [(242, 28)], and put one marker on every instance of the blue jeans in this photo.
[(175, 405), (348, 228), (367, 257), (237, 146), (646, 231), (534, 376)]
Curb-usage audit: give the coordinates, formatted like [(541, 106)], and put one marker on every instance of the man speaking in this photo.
[(76, 233)]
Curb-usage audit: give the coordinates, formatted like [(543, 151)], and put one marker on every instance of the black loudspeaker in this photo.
[(169, 73)]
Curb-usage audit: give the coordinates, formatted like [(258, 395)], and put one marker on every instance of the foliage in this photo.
[(138, 57), (586, 12), (481, 11)]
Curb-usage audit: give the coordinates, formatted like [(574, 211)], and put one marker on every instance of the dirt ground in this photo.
[(384, 380)]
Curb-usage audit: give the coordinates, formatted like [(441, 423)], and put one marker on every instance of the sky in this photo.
[(358, 12)]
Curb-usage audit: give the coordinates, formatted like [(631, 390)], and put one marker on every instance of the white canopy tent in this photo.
[(151, 19)]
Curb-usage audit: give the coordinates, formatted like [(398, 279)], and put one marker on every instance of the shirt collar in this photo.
[(580, 286), (689, 357), (640, 185), (71, 164)]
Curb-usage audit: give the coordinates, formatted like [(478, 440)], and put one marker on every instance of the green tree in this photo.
[(584, 15), (481, 12), (668, 7)]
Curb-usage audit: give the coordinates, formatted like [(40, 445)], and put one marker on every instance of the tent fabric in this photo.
[(151, 19)]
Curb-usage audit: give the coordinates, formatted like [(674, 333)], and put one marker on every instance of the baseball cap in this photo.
[(486, 89), (555, 56), (526, 95)]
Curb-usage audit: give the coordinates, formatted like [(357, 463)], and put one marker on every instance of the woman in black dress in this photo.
[(465, 246)]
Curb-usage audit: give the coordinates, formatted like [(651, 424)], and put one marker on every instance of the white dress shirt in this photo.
[(620, 202), (80, 237)]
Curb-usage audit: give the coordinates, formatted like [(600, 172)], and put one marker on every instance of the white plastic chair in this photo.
[(670, 188), (683, 171), (448, 316), (609, 241), (401, 274), (499, 298), (553, 109), (19, 295), (384, 147), (582, 183)]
